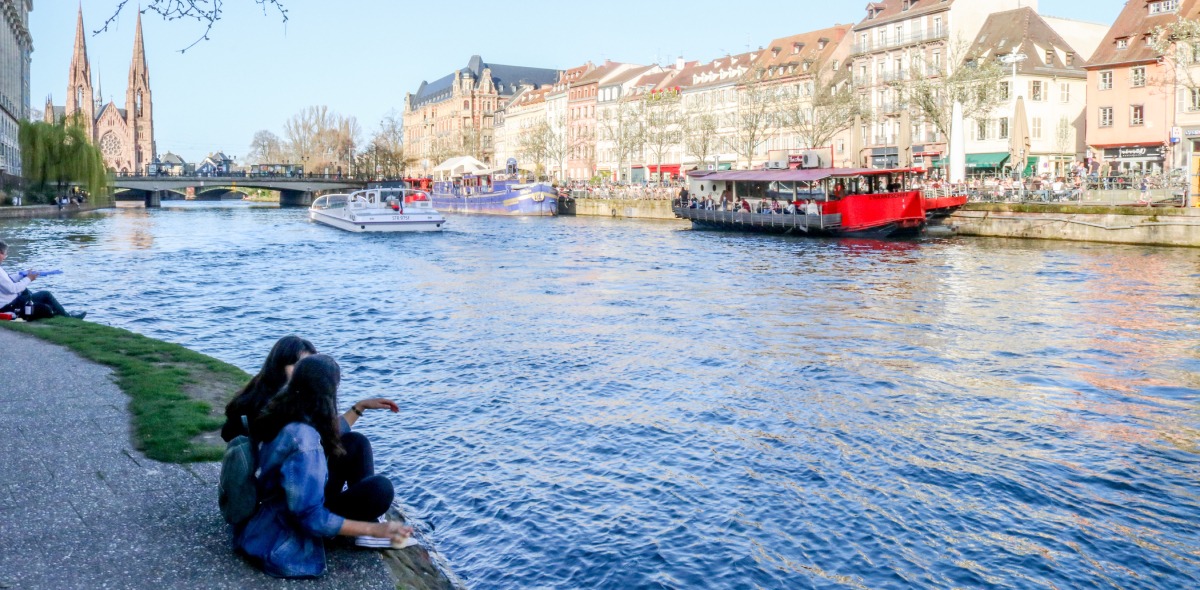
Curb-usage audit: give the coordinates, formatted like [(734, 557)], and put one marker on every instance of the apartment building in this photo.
[(899, 39), (16, 46), (1052, 82), (1134, 94)]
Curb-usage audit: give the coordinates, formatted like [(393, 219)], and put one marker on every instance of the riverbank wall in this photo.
[(1113, 225), (626, 208), (39, 211)]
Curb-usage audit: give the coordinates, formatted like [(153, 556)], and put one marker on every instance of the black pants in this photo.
[(43, 298), (366, 496)]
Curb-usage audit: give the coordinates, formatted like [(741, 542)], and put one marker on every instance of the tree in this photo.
[(663, 128), (206, 12), (557, 138), (622, 125), (387, 147), (700, 136), (59, 154), (823, 106), (533, 145), (931, 91), (755, 116), (265, 148), (320, 139)]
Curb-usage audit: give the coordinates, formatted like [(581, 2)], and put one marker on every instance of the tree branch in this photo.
[(206, 12)]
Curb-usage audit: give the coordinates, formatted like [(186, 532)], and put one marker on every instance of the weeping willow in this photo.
[(58, 155)]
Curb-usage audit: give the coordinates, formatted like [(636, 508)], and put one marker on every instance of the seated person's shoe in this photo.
[(79, 315), (374, 542)]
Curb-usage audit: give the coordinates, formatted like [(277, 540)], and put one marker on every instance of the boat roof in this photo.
[(797, 175)]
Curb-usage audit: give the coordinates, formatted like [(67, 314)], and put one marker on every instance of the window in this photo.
[(1035, 127), (937, 59), (1049, 57), (1106, 116), (1194, 105), (1122, 43), (937, 26), (1064, 91), (1004, 90), (1106, 80), (1137, 76), (1163, 6), (1035, 90), (1137, 115), (1003, 128), (1070, 59), (981, 130)]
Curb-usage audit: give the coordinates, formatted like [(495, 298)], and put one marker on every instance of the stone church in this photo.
[(125, 136)]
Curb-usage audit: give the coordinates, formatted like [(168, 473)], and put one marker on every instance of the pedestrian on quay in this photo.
[(305, 501), (15, 296)]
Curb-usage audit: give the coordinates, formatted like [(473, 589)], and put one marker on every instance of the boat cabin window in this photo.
[(337, 201)]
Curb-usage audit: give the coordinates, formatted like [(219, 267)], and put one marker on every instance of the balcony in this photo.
[(892, 41)]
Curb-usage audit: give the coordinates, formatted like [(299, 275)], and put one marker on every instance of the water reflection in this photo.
[(643, 405)]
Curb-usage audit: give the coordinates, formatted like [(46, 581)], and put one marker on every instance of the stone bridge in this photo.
[(294, 191)]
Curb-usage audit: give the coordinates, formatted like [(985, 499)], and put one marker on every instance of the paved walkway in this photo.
[(79, 508)]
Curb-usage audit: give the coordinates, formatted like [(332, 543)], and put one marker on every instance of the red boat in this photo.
[(856, 202)]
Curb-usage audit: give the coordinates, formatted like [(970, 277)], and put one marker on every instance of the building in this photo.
[(455, 115), (1051, 80), (711, 90), (16, 45), (1133, 94), (173, 165), (522, 113), (580, 124), (900, 39), (216, 163), (125, 136), (558, 115)]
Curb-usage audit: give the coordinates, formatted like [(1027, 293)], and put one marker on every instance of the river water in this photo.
[(599, 403)]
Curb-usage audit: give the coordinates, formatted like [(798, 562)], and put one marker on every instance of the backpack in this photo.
[(238, 488)]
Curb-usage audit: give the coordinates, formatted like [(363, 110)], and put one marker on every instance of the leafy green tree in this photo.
[(56, 155)]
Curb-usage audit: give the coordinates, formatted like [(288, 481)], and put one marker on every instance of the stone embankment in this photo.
[(626, 208), (1114, 225), (37, 211), (80, 507)]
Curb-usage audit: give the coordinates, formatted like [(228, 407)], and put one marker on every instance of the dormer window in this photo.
[(1070, 59), (1163, 6), (1123, 43), (775, 52), (906, 4), (821, 43), (1049, 56), (796, 48), (807, 64)]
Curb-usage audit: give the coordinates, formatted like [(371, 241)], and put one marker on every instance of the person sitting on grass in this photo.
[(14, 294), (300, 431)]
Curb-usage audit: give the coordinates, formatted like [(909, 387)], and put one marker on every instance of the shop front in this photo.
[(1136, 159), (885, 157)]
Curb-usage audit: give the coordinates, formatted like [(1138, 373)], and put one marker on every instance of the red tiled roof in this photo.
[(1132, 25), (893, 10)]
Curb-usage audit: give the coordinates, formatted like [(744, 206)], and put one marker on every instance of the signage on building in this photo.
[(795, 158), (1138, 151), (1191, 131)]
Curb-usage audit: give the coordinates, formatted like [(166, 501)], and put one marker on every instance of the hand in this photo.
[(377, 403), (395, 531), (32, 275)]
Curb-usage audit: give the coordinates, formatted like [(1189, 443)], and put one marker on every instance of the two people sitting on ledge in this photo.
[(316, 476), (15, 296)]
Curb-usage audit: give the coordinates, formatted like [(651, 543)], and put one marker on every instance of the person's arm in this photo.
[(376, 403), (10, 287)]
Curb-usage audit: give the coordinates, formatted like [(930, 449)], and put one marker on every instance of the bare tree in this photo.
[(931, 91), (265, 148), (823, 106), (700, 136), (559, 144), (206, 12), (755, 116), (663, 125), (386, 148), (533, 145), (622, 124), (320, 139)]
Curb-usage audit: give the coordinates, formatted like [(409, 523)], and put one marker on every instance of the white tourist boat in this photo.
[(378, 210)]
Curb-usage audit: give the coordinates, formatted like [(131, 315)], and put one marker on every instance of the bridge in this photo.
[(294, 191)]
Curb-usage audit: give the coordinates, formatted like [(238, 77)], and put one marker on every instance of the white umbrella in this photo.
[(958, 145), (904, 143), (1018, 146), (856, 142)]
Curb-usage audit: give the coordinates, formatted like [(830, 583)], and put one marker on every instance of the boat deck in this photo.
[(784, 223)]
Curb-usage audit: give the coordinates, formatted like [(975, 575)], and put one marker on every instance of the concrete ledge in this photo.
[(1150, 228), (37, 211), (627, 208)]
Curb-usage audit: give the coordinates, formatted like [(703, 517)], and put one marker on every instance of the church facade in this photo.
[(124, 135)]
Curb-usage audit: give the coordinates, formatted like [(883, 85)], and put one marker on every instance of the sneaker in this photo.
[(374, 542), (79, 315), (408, 541)]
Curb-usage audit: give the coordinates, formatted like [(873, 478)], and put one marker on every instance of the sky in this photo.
[(360, 57)]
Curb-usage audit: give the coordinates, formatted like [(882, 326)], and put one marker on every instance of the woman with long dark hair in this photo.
[(299, 429), (270, 379)]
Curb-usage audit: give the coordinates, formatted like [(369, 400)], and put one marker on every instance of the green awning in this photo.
[(938, 162), (725, 166), (992, 160)]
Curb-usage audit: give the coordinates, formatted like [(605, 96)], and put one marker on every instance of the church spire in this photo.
[(138, 70), (79, 82)]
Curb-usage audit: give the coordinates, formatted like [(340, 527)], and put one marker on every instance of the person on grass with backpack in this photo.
[(300, 430)]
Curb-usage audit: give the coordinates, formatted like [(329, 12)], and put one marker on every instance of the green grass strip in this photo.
[(172, 389)]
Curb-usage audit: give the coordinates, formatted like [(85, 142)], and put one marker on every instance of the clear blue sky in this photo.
[(360, 57)]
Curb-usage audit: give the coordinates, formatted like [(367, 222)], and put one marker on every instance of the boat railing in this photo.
[(787, 221)]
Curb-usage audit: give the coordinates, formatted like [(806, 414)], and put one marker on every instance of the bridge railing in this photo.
[(270, 175)]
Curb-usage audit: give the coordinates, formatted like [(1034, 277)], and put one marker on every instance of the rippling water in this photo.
[(597, 403)]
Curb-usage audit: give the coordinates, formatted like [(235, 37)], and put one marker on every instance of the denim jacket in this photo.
[(287, 532)]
